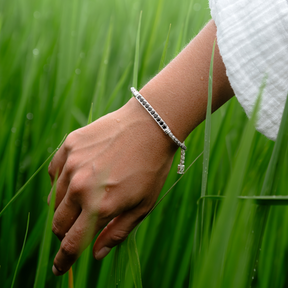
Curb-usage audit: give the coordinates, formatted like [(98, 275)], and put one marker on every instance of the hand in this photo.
[(110, 173)]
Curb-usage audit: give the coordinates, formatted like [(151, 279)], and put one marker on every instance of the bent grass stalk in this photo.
[(19, 192), (23, 246)]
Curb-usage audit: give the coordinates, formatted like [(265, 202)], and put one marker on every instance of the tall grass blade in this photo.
[(186, 24), (46, 243), (258, 200), (117, 88), (23, 246), (213, 261), (206, 153), (262, 212), (202, 214), (82, 270), (163, 57), (119, 266), (279, 149), (70, 278), (90, 117), (102, 76), (134, 259), (152, 36), (137, 55), (65, 281)]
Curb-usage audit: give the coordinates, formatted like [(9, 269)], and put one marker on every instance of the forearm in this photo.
[(179, 92)]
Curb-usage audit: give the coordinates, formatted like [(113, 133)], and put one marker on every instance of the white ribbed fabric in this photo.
[(252, 37)]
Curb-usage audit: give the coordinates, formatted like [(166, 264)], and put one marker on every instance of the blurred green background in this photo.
[(56, 58)]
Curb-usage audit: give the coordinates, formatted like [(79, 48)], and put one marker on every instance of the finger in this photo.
[(65, 216), (74, 243), (117, 231), (61, 189), (57, 162)]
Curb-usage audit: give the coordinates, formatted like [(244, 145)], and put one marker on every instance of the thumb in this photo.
[(116, 232)]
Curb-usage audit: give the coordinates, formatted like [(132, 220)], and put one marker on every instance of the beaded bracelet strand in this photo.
[(163, 126)]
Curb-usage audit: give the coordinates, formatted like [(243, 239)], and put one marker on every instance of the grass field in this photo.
[(222, 225)]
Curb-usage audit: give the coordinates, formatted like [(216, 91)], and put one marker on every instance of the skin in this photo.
[(112, 171)]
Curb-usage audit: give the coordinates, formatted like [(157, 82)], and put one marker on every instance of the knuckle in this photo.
[(50, 170), (69, 249), (56, 230), (69, 141), (119, 236), (70, 164), (105, 211), (76, 186)]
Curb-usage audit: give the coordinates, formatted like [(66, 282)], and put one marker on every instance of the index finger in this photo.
[(57, 163), (75, 242)]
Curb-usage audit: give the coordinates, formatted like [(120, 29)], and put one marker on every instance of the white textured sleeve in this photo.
[(252, 37)]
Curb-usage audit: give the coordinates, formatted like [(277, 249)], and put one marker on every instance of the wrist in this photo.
[(134, 115)]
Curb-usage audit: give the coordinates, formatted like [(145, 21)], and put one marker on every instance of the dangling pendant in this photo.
[(181, 166)]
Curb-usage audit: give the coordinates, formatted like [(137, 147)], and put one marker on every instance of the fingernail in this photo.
[(102, 253), (56, 271)]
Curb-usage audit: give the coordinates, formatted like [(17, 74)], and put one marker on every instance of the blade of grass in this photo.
[(65, 281), (137, 54), (278, 150), (186, 24), (213, 261), (33, 240), (202, 214), (117, 88), (206, 153), (23, 246), (90, 117), (134, 259), (70, 278), (101, 79), (152, 36), (163, 57), (262, 212), (41, 272), (120, 262), (259, 200), (106, 271)]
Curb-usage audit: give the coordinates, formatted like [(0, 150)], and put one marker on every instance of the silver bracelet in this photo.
[(163, 126)]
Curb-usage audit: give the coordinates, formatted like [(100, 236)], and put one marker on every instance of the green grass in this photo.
[(57, 57)]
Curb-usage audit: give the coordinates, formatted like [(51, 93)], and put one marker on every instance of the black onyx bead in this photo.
[(149, 108), (144, 102), (141, 99), (152, 112), (158, 119), (146, 105), (161, 122), (138, 97), (155, 115), (164, 126)]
